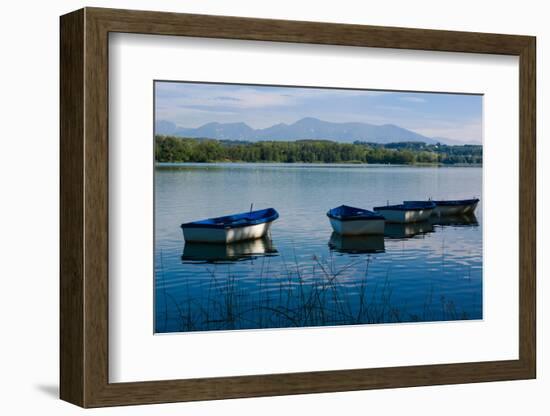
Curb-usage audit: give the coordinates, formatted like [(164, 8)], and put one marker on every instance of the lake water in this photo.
[(305, 276)]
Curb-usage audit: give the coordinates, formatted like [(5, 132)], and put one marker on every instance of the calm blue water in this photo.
[(304, 275)]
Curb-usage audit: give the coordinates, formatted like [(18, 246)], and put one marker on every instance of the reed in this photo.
[(305, 296)]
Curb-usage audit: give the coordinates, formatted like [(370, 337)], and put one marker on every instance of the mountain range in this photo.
[(305, 128)]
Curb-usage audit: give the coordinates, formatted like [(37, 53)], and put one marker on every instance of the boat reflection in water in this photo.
[(356, 244), (466, 220), (397, 231), (227, 253), (394, 230)]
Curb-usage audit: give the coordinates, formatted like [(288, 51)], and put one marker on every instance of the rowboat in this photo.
[(357, 244), (412, 211), (452, 207), (230, 228), (456, 207), (346, 220), (228, 253)]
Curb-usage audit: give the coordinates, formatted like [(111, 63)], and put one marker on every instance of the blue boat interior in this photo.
[(457, 202), (420, 204), (345, 212), (408, 206), (237, 220), (451, 202)]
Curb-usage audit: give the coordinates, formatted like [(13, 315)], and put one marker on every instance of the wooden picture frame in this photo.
[(84, 207)]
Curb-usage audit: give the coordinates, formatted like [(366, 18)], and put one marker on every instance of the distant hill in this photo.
[(306, 128), (452, 142), (165, 127)]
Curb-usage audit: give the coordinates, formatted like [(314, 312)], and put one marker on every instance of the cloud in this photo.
[(392, 107), (192, 117), (373, 93), (412, 99), (191, 104), (470, 131), (226, 98), (184, 95), (246, 96)]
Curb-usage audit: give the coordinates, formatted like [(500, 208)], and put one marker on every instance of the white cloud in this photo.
[(193, 104), (243, 97), (412, 99), (465, 131), (218, 97)]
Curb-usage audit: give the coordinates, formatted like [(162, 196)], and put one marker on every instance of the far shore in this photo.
[(177, 149), (348, 163)]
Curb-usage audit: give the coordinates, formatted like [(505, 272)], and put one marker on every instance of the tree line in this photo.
[(177, 149)]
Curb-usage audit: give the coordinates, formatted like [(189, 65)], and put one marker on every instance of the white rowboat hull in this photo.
[(455, 209), (406, 216), (226, 235), (357, 227)]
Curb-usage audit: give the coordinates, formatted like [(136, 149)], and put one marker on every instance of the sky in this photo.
[(452, 116)]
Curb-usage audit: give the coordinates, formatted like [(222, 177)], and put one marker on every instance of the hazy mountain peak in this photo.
[(305, 128), (309, 120)]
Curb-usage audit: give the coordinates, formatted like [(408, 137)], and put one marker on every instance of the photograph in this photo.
[(280, 207), (264, 204)]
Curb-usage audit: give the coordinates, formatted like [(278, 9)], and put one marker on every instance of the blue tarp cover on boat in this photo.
[(450, 202), (347, 213), (244, 219), (458, 202)]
